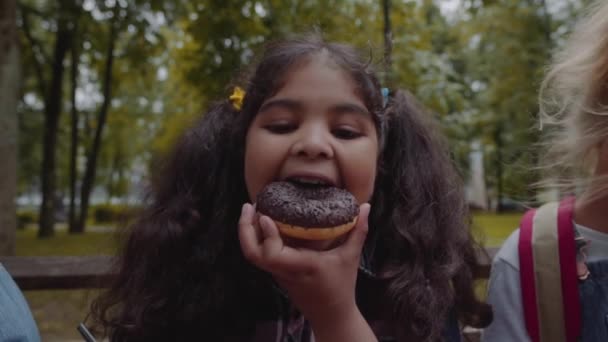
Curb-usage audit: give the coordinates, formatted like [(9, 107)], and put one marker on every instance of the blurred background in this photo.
[(94, 92)]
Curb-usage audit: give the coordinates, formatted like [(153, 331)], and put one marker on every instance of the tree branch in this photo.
[(30, 9), (91, 164)]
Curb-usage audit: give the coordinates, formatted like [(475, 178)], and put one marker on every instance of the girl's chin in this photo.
[(317, 245)]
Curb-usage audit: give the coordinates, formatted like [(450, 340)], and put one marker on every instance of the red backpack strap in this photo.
[(567, 260), (547, 255)]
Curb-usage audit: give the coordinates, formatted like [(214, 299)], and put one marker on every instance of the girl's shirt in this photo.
[(291, 326), (16, 321), (505, 296)]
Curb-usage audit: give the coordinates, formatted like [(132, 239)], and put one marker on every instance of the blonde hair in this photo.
[(574, 107)]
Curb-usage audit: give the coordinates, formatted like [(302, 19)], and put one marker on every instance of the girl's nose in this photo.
[(312, 144)]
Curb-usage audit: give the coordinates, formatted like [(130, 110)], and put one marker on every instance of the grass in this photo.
[(90, 243), (493, 229), (58, 312)]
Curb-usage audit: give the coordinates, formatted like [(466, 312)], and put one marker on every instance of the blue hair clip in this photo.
[(385, 93)]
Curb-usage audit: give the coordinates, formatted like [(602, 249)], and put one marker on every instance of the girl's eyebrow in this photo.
[(291, 105), (344, 108), (296, 106)]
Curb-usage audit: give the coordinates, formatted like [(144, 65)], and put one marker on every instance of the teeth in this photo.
[(312, 181)]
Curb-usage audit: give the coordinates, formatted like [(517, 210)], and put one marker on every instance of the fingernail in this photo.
[(244, 208), (366, 207)]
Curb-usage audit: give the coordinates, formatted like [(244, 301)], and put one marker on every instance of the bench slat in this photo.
[(92, 271), (59, 272)]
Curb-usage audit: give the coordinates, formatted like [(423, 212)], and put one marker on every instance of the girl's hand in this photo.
[(321, 284)]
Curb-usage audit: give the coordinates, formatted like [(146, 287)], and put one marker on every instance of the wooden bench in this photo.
[(83, 272)]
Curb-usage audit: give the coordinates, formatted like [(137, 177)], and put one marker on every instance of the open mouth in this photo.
[(310, 182)]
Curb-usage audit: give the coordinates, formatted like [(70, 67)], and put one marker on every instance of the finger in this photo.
[(279, 258), (354, 243), (256, 228), (247, 234), (272, 244)]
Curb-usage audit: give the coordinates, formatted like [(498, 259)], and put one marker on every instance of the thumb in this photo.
[(272, 244), (356, 239)]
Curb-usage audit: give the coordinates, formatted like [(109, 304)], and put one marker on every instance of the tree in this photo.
[(87, 35), (74, 63), (138, 51), (9, 89), (91, 164), (170, 58), (388, 42), (51, 90), (506, 44)]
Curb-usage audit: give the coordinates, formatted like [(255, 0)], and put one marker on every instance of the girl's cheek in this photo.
[(363, 181)]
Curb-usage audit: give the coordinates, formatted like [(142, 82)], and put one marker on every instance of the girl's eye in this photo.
[(281, 128), (346, 133)]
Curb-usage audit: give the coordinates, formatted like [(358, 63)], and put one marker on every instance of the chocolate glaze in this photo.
[(307, 206)]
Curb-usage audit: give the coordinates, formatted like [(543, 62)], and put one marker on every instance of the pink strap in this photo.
[(567, 260), (526, 269)]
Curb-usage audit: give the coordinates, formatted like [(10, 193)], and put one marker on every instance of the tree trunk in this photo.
[(9, 89), (388, 43), (499, 171), (74, 136), (52, 113), (91, 166)]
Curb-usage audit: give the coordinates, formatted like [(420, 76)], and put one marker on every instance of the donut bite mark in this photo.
[(308, 211), (325, 233)]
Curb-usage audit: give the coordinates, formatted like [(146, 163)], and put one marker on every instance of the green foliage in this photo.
[(477, 71), (111, 213), (505, 46), (30, 123), (218, 38), (26, 218), (138, 42)]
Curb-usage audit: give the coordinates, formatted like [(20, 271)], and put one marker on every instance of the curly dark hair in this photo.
[(181, 273)]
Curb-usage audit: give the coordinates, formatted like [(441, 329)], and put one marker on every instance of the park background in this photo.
[(94, 92)]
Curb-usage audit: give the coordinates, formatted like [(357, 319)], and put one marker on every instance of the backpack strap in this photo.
[(526, 275), (547, 257)]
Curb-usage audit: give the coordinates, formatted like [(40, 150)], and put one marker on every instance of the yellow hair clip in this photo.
[(237, 97)]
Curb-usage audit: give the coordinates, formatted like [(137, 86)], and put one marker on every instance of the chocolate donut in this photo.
[(310, 212)]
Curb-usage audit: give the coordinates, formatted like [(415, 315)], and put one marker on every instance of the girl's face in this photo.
[(314, 127)]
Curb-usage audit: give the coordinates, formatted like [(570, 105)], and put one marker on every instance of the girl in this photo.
[(200, 264), (575, 98)]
